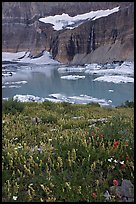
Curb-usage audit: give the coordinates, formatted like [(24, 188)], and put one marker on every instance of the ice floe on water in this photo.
[(82, 99), (110, 90), (126, 68), (28, 98), (71, 69), (72, 77), (114, 72), (115, 79), (13, 86), (85, 99), (15, 82)]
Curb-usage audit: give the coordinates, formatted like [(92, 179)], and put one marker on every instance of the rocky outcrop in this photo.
[(106, 39)]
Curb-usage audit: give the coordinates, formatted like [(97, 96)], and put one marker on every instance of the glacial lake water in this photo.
[(43, 80)]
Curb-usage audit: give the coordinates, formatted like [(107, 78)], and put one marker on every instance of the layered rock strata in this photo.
[(103, 40)]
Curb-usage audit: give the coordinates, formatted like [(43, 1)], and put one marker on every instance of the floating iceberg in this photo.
[(71, 69), (115, 79), (72, 77), (15, 82), (126, 68), (28, 98), (82, 99)]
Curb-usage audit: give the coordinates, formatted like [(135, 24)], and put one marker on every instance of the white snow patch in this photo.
[(9, 56), (64, 21), (115, 79), (24, 57)]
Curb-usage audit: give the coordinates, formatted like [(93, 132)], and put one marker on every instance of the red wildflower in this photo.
[(115, 182), (116, 143), (94, 195), (127, 158), (92, 133)]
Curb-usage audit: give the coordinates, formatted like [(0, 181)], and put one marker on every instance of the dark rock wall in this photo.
[(103, 40)]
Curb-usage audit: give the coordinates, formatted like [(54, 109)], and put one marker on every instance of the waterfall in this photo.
[(92, 39)]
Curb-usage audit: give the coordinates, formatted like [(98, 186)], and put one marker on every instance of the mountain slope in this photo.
[(103, 40)]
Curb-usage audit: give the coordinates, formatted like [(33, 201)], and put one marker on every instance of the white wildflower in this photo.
[(115, 161), (121, 162), (107, 195), (110, 160), (14, 197)]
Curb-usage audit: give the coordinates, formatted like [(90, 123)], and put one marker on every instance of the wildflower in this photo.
[(107, 195), (115, 161), (110, 160), (121, 162), (115, 182), (116, 143), (127, 158), (19, 147), (94, 195), (40, 150), (14, 197), (15, 138)]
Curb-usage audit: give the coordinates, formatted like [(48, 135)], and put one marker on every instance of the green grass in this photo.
[(64, 157)]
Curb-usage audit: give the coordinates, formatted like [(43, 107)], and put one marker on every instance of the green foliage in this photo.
[(65, 157), (12, 106), (94, 104), (49, 119)]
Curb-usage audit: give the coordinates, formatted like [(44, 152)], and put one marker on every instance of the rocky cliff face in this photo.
[(103, 40)]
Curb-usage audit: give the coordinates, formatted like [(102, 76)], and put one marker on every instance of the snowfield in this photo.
[(24, 57), (64, 21)]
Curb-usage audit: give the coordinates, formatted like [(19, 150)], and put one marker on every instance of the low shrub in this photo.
[(94, 104), (49, 119), (12, 106)]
